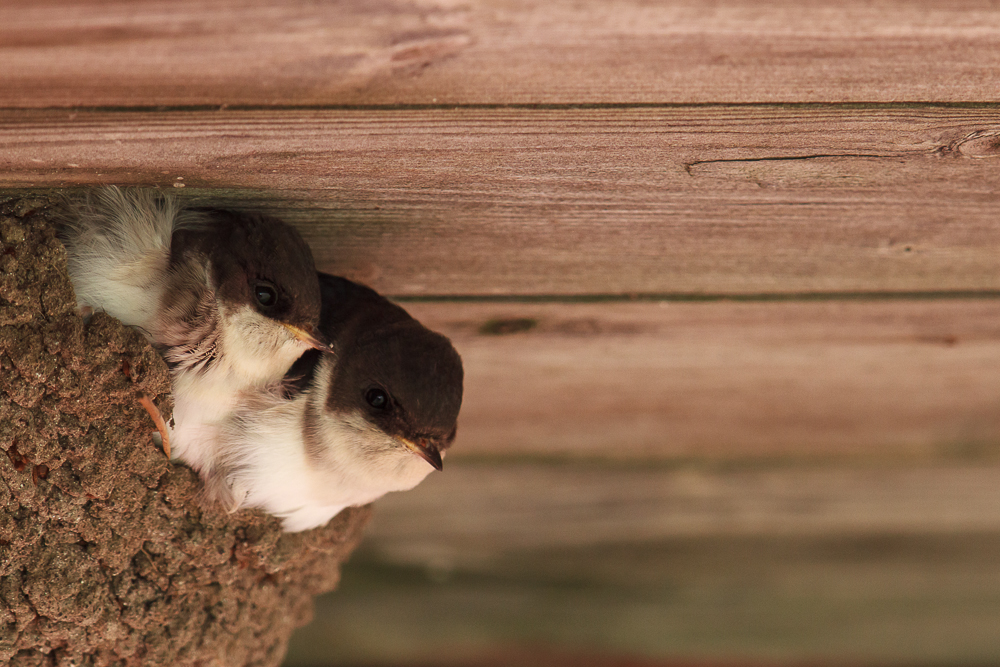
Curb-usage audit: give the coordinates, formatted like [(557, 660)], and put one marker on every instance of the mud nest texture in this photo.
[(108, 553)]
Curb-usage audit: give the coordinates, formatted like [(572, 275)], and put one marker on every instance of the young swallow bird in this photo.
[(230, 300), (347, 427)]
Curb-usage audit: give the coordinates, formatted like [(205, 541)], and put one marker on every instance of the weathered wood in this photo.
[(869, 380), (574, 201), (122, 53), (808, 565), (518, 508), (713, 534), (767, 602)]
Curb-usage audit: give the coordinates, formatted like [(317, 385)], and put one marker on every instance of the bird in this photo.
[(229, 299), (374, 414)]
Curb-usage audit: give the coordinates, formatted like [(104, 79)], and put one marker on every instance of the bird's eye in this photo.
[(265, 294), (377, 398)]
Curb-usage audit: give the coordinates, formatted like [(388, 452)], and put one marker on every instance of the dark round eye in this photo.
[(377, 398), (265, 294)]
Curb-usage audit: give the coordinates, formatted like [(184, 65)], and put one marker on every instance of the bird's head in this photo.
[(264, 279), (406, 382)]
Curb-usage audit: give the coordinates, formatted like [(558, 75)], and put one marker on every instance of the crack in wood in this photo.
[(788, 158)]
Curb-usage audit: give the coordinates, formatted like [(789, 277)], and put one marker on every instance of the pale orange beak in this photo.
[(427, 451), (308, 337)]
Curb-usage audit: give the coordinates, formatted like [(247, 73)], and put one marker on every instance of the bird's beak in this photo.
[(309, 337), (428, 451)]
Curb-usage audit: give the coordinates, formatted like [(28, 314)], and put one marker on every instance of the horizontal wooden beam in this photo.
[(573, 201), (517, 508), (685, 566), (263, 52), (673, 381)]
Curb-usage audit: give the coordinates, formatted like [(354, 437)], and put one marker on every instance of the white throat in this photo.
[(252, 352), (271, 461)]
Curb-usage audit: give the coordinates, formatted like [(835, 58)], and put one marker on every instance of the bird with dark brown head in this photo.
[(375, 415), (231, 300), (258, 273)]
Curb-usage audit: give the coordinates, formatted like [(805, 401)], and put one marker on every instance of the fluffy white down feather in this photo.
[(118, 251)]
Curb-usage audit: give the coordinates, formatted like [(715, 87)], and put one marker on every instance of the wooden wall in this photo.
[(660, 231), (834, 163)]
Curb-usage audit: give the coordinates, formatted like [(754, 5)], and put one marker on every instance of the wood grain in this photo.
[(519, 508), (571, 201), (675, 381), (814, 565), (262, 52), (506, 149), (712, 602)]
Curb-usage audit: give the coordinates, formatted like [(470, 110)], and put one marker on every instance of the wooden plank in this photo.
[(882, 600), (785, 565), (517, 508), (862, 380), (696, 200), (262, 52)]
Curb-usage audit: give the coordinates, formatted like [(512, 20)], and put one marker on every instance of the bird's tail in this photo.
[(118, 249)]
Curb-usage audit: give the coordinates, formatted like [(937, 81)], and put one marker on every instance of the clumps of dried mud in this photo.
[(108, 554)]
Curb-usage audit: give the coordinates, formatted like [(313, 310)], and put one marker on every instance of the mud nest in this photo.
[(108, 553)]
